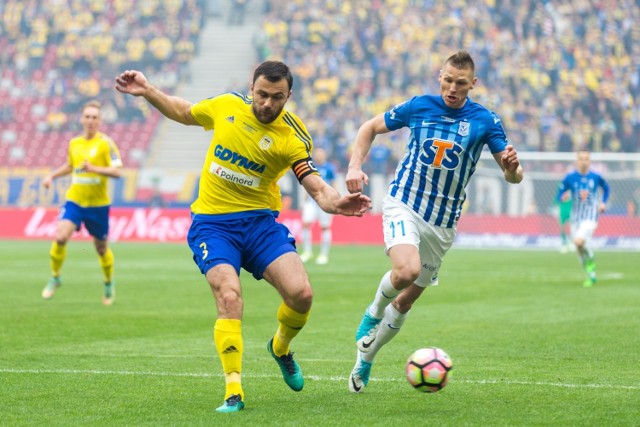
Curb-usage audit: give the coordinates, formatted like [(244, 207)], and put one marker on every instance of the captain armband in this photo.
[(304, 167)]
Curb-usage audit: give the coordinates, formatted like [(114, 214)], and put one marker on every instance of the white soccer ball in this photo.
[(428, 369)]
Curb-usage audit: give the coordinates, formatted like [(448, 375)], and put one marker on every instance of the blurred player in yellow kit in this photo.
[(255, 142), (92, 158)]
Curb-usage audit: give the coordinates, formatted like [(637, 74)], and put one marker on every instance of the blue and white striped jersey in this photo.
[(584, 194), (442, 153)]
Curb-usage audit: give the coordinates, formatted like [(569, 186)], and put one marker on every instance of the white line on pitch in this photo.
[(313, 377)]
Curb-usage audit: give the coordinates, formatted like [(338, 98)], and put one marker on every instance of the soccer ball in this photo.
[(428, 369)]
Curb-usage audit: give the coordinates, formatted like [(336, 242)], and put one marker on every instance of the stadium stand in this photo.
[(561, 75), (541, 64), (57, 55)]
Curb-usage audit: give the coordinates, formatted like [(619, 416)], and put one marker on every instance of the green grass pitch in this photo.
[(530, 346)]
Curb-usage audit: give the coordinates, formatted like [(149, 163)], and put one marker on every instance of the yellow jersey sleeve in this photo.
[(245, 158), (91, 189)]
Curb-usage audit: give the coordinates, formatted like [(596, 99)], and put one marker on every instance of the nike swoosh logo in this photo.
[(428, 123), (384, 295), (390, 327), (355, 387), (367, 344)]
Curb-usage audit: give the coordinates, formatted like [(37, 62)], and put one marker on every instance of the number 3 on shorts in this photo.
[(205, 252)]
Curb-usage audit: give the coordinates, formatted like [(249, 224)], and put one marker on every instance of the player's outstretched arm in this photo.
[(134, 83), (510, 165), (330, 201), (356, 178)]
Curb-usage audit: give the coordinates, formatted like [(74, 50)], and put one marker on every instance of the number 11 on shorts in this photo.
[(399, 225)]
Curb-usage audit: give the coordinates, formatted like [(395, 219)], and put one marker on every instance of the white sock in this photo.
[(306, 240), (326, 242), (384, 295), (589, 252), (389, 328)]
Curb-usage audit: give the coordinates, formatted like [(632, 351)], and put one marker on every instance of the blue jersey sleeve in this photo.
[(496, 137), (398, 116)]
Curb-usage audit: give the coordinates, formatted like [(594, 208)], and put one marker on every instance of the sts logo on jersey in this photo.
[(440, 153)]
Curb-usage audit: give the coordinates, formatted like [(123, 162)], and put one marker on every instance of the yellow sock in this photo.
[(227, 334), (290, 324), (233, 385), (57, 253), (106, 262)]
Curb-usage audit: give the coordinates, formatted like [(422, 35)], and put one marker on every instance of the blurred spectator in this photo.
[(166, 77), (184, 50), (89, 86), (156, 200), (132, 110), (161, 49), (109, 112), (56, 120), (237, 12), (379, 157), (136, 48), (6, 110), (565, 141)]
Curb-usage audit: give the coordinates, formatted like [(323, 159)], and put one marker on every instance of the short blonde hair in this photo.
[(93, 103)]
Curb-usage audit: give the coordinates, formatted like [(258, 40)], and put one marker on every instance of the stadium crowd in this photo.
[(562, 75), (57, 55)]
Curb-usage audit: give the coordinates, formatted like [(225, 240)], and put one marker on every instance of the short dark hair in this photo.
[(274, 71), (461, 60)]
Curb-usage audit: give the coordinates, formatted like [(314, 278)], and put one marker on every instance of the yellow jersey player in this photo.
[(255, 142), (92, 158)]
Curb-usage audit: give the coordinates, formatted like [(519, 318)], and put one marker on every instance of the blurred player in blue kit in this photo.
[(583, 184), (255, 142), (311, 213), (424, 200)]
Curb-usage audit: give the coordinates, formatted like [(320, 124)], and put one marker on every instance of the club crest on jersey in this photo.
[(463, 128), (265, 142)]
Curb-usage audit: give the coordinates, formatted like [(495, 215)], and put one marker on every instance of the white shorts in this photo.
[(401, 225), (583, 230), (311, 212)]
